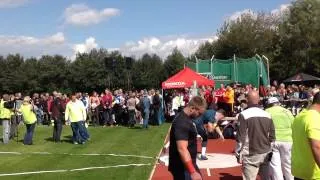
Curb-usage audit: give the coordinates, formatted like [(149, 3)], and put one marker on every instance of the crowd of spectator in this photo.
[(105, 109), (79, 110), (233, 98)]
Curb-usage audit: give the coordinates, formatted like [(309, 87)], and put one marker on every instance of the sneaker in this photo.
[(203, 157), (75, 142)]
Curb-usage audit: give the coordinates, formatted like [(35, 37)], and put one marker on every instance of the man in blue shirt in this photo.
[(207, 122)]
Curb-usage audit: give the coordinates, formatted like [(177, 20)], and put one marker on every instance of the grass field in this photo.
[(66, 156)]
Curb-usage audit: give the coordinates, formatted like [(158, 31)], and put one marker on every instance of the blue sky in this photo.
[(66, 26)]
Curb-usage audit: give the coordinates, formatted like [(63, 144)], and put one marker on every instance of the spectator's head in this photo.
[(220, 114), (12, 97), (26, 100), (316, 102), (275, 83), (18, 95), (253, 98), (145, 93), (55, 93), (94, 93), (6, 97), (74, 97), (272, 101), (315, 91), (316, 99), (196, 106), (78, 95)]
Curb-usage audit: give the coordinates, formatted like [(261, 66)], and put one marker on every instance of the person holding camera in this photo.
[(16, 116), (28, 110)]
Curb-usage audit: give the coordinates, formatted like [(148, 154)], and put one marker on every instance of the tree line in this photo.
[(96, 70), (291, 41)]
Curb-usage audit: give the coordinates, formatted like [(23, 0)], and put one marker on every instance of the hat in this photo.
[(273, 100)]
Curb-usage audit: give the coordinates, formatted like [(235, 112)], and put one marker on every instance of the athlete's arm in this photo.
[(210, 127), (213, 126), (217, 128), (315, 147), (182, 146)]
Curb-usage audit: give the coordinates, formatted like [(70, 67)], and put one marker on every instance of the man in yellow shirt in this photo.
[(76, 112), (306, 142)]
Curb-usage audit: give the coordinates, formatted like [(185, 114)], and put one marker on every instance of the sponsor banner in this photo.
[(175, 84)]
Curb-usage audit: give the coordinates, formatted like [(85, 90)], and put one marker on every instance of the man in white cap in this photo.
[(282, 118)]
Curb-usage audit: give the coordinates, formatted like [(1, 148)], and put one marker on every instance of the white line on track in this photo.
[(16, 153), (72, 170), (208, 172), (90, 154)]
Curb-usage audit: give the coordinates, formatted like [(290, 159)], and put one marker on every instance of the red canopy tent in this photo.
[(185, 79)]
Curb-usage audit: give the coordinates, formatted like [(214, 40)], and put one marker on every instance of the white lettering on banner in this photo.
[(220, 77), (175, 84)]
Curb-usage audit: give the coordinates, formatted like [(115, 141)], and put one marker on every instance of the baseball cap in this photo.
[(273, 100)]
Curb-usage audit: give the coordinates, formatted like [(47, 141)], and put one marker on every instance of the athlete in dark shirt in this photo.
[(183, 142)]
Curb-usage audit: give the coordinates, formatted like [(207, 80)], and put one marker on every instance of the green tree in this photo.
[(148, 72), (52, 71), (174, 63), (299, 40), (12, 73)]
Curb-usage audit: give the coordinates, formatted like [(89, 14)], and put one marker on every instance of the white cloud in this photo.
[(85, 47), (29, 46), (82, 15), (162, 47), (34, 46), (237, 15), (284, 8), (12, 3)]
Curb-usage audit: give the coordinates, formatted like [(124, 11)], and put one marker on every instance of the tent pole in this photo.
[(258, 72), (212, 57), (267, 60), (211, 65), (197, 68), (234, 67)]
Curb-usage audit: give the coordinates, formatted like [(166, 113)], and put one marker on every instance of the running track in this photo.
[(214, 146)]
